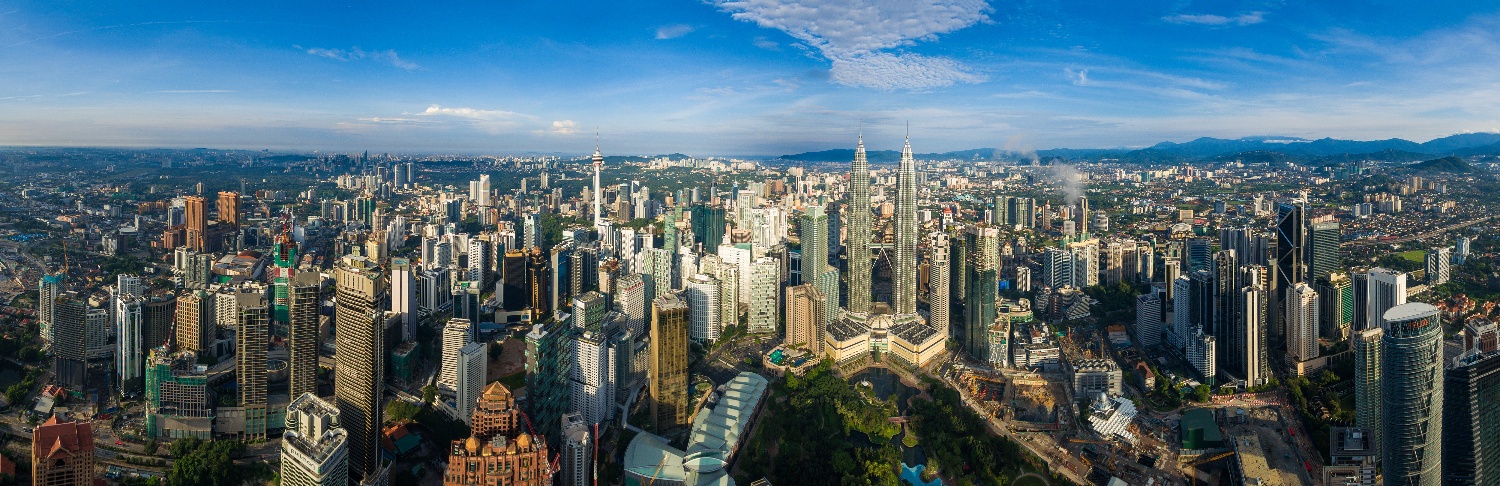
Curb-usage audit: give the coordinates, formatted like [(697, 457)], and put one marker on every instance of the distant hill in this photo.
[(1322, 151), (1446, 164)]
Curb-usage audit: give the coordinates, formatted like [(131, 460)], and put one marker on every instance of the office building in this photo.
[(130, 355), (1335, 306), (982, 268), (668, 373), (1094, 376), (62, 453), (904, 272), (1291, 233), (577, 458), (814, 237), (1323, 241), (314, 446), (359, 372), (471, 371), (804, 318), (404, 296), (630, 300), (1352, 455), (196, 322), (229, 208), (765, 285), (938, 291), (1471, 419), (1386, 289), (498, 452), (1438, 266), (252, 341), (858, 241), (593, 377), (702, 293), (49, 288), (1148, 320), (302, 337), (456, 335), (70, 340), (1302, 322), (196, 219), (1366, 347), (1411, 385)]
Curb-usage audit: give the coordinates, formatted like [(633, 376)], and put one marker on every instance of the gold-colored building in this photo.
[(669, 363)]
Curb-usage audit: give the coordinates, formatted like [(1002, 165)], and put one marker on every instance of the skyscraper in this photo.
[(1322, 249), (197, 223), (668, 379), (1302, 322), (765, 284), (359, 372), (804, 318), (577, 451), (1411, 384), (251, 342), (302, 334), (1366, 346), (703, 294), (1387, 289), (1335, 306), (814, 237), (938, 293), (982, 244), (1438, 261), (456, 335), (471, 378), (905, 270), (69, 343), (404, 296), (858, 242), (229, 208), (196, 322), (314, 447), (1471, 419), (130, 357), (1291, 231)]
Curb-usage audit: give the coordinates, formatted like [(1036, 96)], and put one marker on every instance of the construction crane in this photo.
[(1187, 469)]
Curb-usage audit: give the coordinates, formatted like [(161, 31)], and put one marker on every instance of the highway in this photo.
[(1404, 239)]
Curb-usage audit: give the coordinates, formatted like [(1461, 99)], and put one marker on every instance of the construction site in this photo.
[(1254, 446)]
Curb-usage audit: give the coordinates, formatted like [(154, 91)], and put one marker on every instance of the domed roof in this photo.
[(523, 442), (472, 445)]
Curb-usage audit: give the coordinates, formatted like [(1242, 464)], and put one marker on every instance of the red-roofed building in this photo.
[(62, 453)]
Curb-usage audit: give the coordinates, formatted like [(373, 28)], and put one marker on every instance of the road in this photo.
[(999, 429), (1404, 239)]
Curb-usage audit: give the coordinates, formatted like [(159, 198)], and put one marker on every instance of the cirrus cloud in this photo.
[(387, 56), (673, 31), (1242, 20), (858, 35)]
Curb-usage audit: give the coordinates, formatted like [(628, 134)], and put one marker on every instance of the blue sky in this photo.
[(739, 77)]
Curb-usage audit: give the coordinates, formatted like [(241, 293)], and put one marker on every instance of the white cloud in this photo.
[(1243, 19), (673, 31), (564, 127), (492, 121), (856, 36), (356, 54), (767, 44), (1079, 77)]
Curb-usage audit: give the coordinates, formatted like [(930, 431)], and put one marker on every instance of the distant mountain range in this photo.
[(1265, 149)]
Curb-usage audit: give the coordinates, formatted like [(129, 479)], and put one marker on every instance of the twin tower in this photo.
[(904, 291)]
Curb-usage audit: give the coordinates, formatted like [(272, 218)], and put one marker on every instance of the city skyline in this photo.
[(751, 77)]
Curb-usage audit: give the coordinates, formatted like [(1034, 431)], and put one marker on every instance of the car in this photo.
[(118, 442)]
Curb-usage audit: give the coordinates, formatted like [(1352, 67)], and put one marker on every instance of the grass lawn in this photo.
[(1029, 481), (514, 381), (1419, 256)]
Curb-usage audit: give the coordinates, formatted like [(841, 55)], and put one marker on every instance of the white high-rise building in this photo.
[(592, 377), (702, 292), (484, 191), (1148, 319), (314, 448), (456, 335), (404, 296), (739, 258), (130, 358), (577, 451), (630, 299), (938, 294), (1182, 311), (1252, 320), (1438, 266), (471, 379), (1387, 289), (765, 285), (1201, 354), (1301, 322)]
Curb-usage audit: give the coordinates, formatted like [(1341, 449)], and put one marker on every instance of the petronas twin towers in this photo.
[(905, 270)]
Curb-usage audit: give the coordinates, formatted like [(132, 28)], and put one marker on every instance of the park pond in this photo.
[(884, 384)]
